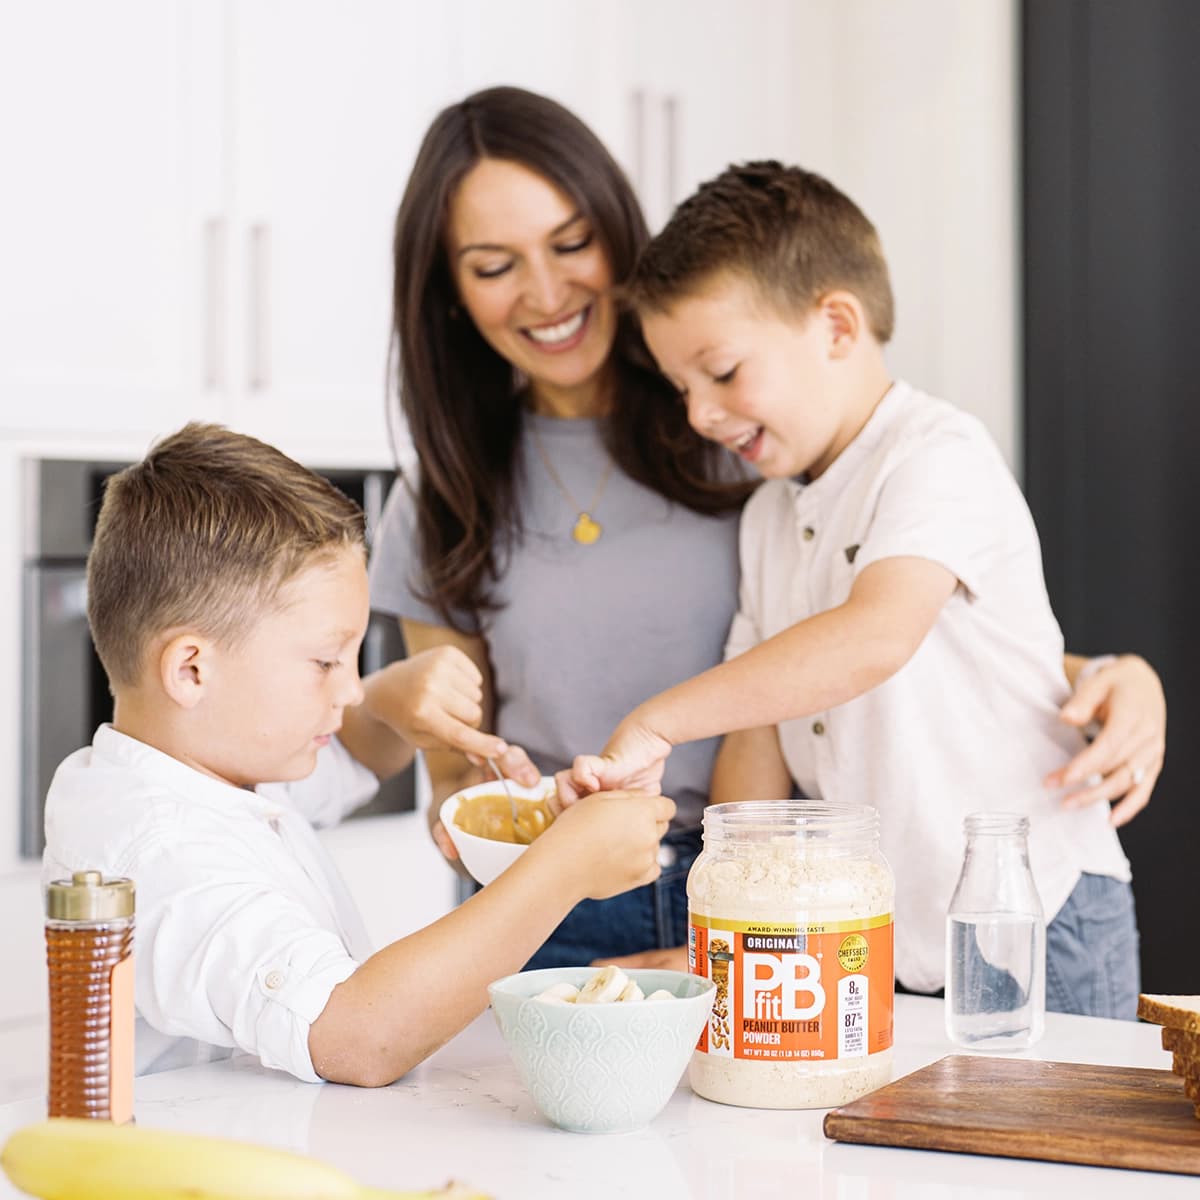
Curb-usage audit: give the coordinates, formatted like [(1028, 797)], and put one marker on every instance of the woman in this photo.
[(567, 532)]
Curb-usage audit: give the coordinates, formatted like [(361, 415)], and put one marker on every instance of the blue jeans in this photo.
[(1092, 964), (647, 918), (1092, 951)]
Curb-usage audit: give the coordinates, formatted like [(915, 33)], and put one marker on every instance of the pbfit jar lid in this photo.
[(811, 826), (88, 896)]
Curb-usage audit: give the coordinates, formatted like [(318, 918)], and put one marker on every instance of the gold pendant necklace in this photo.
[(586, 529)]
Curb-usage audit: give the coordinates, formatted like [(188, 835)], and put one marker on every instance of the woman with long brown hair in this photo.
[(565, 532)]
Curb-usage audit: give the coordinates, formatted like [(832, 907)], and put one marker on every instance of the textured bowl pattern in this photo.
[(601, 1068)]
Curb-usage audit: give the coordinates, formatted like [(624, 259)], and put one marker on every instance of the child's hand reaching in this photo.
[(633, 760)]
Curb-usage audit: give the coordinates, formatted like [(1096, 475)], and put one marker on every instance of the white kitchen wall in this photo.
[(909, 105), (916, 119)]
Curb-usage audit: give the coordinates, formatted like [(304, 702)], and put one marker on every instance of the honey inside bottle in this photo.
[(89, 958)]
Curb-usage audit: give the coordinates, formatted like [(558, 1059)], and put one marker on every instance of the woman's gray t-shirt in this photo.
[(585, 633)]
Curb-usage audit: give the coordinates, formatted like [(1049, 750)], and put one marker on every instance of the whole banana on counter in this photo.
[(68, 1159)]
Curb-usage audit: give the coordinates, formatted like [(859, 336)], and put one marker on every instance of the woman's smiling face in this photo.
[(532, 275)]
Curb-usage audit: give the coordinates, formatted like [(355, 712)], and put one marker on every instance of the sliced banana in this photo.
[(604, 987), (559, 993), (609, 985)]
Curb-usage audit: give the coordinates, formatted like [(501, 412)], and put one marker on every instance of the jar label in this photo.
[(794, 992), (121, 1022)]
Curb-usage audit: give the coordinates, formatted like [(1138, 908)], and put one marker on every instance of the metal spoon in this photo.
[(517, 835)]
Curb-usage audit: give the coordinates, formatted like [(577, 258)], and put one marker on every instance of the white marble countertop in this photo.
[(464, 1114)]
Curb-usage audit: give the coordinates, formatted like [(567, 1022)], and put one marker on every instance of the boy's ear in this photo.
[(185, 666), (844, 321)]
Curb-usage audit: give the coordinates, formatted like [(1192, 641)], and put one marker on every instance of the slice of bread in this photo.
[(1180, 1018), (1189, 1068), (1181, 1042), (1176, 1012)]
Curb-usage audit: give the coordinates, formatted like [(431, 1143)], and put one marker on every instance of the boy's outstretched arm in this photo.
[(414, 995), (814, 665)]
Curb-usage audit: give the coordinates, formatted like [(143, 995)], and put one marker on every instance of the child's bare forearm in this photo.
[(414, 995), (814, 665)]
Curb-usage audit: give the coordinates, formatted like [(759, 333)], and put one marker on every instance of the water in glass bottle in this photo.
[(995, 940)]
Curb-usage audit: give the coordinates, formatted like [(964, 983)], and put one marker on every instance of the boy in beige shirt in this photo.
[(894, 644)]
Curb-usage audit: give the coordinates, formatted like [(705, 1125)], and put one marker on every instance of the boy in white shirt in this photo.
[(894, 644), (227, 597)]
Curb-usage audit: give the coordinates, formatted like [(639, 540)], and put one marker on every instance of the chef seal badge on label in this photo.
[(852, 953)]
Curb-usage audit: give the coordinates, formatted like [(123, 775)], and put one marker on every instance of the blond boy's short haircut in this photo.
[(202, 534), (790, 232)]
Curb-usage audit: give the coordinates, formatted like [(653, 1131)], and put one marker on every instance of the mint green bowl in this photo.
[(601, 1068)]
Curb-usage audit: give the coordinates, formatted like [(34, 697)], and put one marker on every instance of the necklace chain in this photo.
[(586, 530)]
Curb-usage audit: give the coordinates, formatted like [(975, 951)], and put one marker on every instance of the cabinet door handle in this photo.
[(259, 334), (214, 304), (671, 136), (637, 122)]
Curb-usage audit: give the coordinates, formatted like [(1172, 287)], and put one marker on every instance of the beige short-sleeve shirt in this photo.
[(971, 722)]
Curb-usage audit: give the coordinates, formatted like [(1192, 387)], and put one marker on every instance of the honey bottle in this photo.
[(89, 956)]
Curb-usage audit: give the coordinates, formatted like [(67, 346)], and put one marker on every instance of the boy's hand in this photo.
[(612, 839), (633, 759)]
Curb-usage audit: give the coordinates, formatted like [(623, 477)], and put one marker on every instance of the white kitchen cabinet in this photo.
[(676, 89), (110, 142), (329, 103), (199, 217), (712, 87), (199, 223), (582, 55)]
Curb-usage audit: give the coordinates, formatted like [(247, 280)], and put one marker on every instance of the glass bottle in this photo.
[(89, 956), (995, 940)]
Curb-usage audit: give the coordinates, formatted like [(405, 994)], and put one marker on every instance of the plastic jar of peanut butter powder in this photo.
[(791, 907)]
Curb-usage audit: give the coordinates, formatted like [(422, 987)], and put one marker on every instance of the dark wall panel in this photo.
[(1112, 334)]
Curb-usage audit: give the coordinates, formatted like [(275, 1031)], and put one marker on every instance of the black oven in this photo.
[(64, 691)]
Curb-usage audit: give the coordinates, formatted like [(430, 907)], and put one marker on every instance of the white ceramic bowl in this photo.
[(483, 857), (601, 1068)]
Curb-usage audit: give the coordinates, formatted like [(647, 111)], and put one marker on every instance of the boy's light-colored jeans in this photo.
[(1092, 951), (1092, 966)]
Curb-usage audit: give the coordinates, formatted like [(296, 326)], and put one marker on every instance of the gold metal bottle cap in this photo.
[(88, 896)]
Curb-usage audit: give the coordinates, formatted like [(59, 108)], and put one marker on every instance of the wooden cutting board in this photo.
[(1017, 1108)]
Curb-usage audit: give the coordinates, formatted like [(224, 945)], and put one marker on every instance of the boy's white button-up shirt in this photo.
[(243, 925), (971, 722)]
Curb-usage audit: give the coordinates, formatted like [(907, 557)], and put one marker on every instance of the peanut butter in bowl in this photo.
[(489, 815), (479, 822)]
